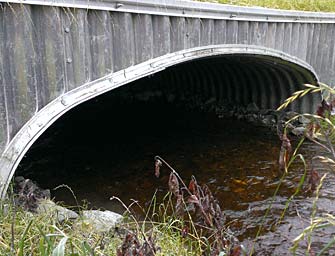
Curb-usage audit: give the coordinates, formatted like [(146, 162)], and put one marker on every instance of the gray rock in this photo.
[(289, 126), (304, 120), (101, 221), (28, 193), (26, 186), (264, 112), (145, 96), (299, 131), (59, 212), (19, 179), (278, 114), (251, 118), (210, 101), (252, 107), (290, 114), (268, 120)]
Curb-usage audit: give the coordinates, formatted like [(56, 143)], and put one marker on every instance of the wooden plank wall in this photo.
[(47, 51)]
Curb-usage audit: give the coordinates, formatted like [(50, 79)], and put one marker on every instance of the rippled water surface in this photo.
[(102, 151)]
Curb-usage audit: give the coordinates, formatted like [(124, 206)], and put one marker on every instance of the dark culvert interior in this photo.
[(187, 115)]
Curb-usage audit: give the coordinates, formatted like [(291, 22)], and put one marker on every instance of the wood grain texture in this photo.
[(48, 51), (3, 109), (19, 71), (100, 42), (178, 34), (161, 35), (123, 40), (143, 34)]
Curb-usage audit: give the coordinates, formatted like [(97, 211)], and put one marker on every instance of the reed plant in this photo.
[(320, 129)]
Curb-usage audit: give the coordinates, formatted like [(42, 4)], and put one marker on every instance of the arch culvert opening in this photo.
[(194, 116)]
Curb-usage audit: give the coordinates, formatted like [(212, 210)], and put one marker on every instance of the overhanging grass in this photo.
[(302, 5), (24, 233)]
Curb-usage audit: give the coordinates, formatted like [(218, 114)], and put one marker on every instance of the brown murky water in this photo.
[(107, 152)]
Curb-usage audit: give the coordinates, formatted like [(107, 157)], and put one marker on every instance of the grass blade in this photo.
[(60, 248), (21, 243)]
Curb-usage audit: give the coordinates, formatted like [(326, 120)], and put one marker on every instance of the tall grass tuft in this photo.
[(41, 234), (321, 131)]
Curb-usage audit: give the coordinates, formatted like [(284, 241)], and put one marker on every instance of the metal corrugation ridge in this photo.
[(239, 82)]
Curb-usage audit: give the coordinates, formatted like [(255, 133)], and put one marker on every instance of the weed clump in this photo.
[(196, 206)]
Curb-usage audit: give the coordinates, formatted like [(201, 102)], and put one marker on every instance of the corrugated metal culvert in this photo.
[(57, 54), (238, 79)]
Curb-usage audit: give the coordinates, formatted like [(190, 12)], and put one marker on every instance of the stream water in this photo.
[(100, 151)]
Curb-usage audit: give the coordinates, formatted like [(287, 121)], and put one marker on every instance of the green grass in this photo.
[(24, 233), (303, 5)]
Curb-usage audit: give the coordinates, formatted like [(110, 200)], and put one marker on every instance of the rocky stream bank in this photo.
[(33, 199)]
